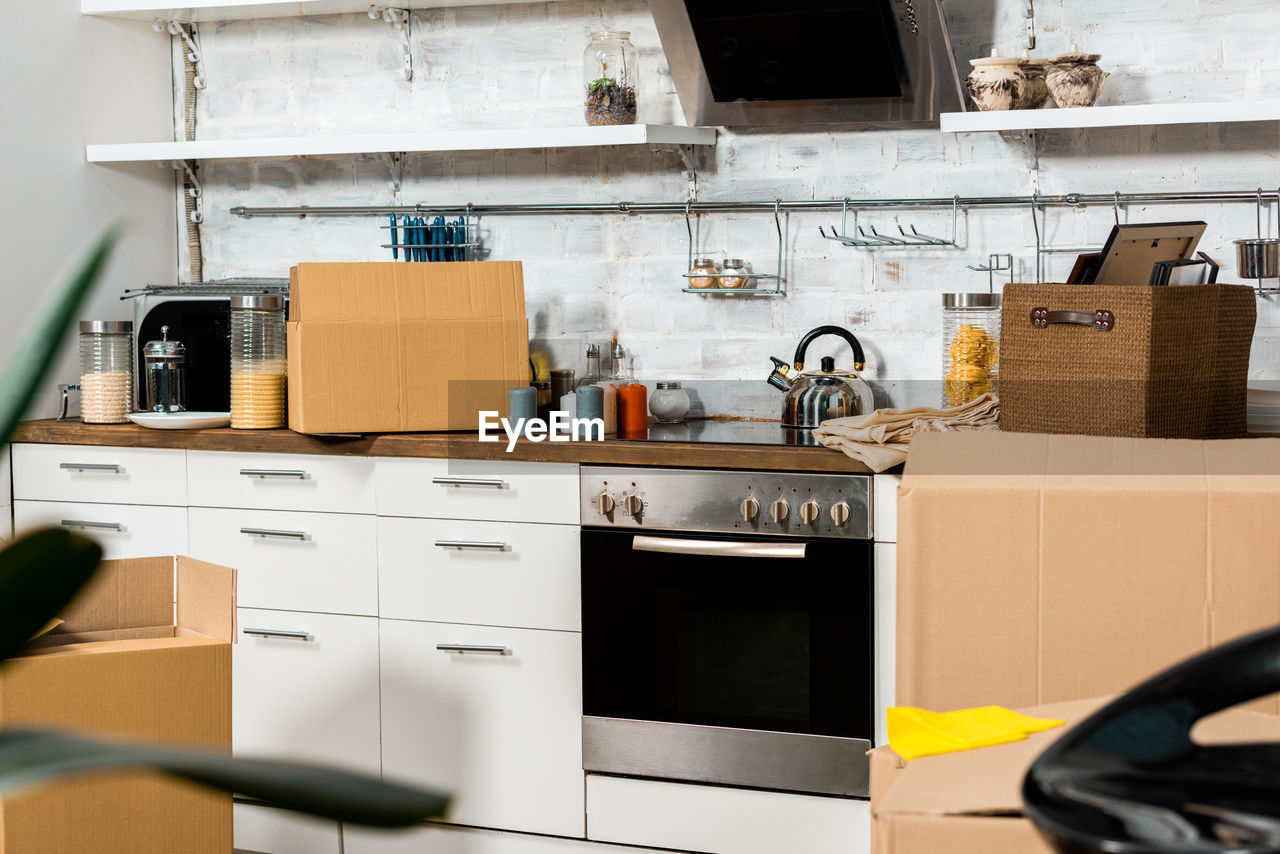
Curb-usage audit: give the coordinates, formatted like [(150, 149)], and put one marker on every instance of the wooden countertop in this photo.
[(446, 445)]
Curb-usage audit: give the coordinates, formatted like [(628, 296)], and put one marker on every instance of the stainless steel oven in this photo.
[(727, 627)]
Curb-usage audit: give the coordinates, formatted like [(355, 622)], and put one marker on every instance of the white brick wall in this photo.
[(519, 66)]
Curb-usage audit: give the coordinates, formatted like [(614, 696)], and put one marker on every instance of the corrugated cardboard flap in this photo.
[(379, 291), (124, 594), (206, 600)]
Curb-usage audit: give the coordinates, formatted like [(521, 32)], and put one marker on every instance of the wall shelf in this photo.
[(1117, 116), (480, 140), (225, 10)]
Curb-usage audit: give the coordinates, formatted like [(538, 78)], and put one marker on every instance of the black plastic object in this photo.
[(1129, 779), (859, 357)]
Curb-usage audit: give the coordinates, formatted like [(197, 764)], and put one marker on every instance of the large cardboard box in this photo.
[(386, 347), (122, 665), (1037, 568), (971, 802)]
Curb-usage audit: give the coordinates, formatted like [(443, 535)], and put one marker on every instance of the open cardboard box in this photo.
[(970, 802), (143, 654)]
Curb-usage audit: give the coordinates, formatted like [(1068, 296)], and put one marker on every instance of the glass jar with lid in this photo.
[(106, 371), (971, 346), (165, 370), (703, 273), (733, 274), (258, 367), (669, 403), (610, 74)]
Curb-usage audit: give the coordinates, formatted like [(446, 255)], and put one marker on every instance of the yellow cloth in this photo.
[(919, 732)]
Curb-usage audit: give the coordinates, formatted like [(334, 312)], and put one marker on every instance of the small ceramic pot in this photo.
[(996, 82), (1074, 78), (1036, 92)]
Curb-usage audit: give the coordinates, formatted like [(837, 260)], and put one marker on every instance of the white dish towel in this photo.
[(880, 439)]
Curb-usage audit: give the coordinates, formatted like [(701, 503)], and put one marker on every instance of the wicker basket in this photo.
[(1126, 360)]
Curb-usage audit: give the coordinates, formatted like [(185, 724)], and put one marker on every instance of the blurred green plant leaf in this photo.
[(39, 574), (38, 349), (31, 757)]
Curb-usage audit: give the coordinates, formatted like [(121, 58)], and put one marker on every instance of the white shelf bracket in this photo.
[(1030, 15), (190, 36), (394, 168), (194, 190), (688, 158), (399, 21)]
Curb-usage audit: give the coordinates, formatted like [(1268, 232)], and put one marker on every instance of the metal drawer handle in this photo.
[(298, 473), (718, 548), (108, 467), (276, 633), (472, 544), (463, 648), (494, 482), (80, 523), (270, 532)]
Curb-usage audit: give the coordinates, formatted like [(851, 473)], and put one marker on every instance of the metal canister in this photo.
[(1258, 258), (165, 368)]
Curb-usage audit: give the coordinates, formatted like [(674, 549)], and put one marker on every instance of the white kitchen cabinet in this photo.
[(293, 561), (273, 831), (886, 596), (443, 839), (723, 820), (123, 530), (86, 473), (316, 482), (884, 507), (500, 731), (497, 490), (486, 573)]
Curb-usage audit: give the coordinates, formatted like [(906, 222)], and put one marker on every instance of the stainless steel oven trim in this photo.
[(717, 548), (817, 764)]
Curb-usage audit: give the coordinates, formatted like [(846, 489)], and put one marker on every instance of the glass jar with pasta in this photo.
[(970, 346)]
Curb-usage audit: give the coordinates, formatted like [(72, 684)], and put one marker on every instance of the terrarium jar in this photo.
[(610, 73), (258, 367)]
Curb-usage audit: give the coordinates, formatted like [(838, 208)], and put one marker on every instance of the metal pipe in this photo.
[(1068, 199)]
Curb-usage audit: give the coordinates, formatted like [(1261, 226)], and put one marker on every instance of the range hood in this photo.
[(763, 62)]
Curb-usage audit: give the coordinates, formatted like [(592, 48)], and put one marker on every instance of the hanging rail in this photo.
[(1068, 199)]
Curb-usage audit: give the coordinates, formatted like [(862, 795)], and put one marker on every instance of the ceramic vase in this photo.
[(1036, 91), (996, 82), (1074, 78)]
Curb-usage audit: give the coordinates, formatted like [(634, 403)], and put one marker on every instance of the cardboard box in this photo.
[(971, 802), (122, 666), (1038, 568), (386, 347)]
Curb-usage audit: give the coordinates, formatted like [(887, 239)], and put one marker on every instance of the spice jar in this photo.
[(703, 273), (257, 362), (610, 74), (733, 273), (165, 370), (106, 371), (669, 403), (971, 341)]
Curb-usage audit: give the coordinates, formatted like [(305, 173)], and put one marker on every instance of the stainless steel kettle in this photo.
[(817, 396)]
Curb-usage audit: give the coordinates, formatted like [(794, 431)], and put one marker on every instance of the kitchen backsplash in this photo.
[(519, 66)]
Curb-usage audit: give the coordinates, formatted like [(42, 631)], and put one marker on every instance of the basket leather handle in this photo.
[(1101, 320)]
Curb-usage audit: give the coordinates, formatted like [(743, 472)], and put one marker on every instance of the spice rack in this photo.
[(754, 291)]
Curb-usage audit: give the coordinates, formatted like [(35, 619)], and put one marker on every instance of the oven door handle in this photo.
[(718, 548)]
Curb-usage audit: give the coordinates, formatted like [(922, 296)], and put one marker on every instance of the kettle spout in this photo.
[(779, 379)]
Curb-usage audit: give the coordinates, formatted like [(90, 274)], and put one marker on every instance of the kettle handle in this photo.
[(860, 359)]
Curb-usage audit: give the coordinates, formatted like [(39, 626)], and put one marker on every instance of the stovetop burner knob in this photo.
[(840, 513), (809, 512), (750, 509), (780, 510), (634, 505), (604, 503)]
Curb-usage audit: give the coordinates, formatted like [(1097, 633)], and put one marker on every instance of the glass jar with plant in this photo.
[(610, 72)]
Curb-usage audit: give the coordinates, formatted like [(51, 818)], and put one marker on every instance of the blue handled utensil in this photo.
[(395, 253)]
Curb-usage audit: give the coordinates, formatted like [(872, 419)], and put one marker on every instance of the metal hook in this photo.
[(1115, 205), (1259, 212)]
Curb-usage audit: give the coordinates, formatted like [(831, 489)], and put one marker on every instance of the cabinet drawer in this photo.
[(479, 489), (500, 731), (279, 832), (99, 474), (443, 839), (281, 481), (488, 573), (308, 689), (293, 561), (123, 530)]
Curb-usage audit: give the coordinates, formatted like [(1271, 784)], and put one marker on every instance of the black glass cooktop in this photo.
[(723, 433)]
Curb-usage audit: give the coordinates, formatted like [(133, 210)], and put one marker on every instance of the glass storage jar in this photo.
[(165, 369), (733, 273), (258, 366), (669, 403), (610, 74), (703, 273), (106, 371), (971, 346)]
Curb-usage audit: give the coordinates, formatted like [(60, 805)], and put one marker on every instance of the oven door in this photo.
[(734, 660)]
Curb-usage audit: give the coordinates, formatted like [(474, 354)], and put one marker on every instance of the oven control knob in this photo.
[(750, 509), (780, 510), (809, 512), (634, 505), (840, 513), (604, 503)]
